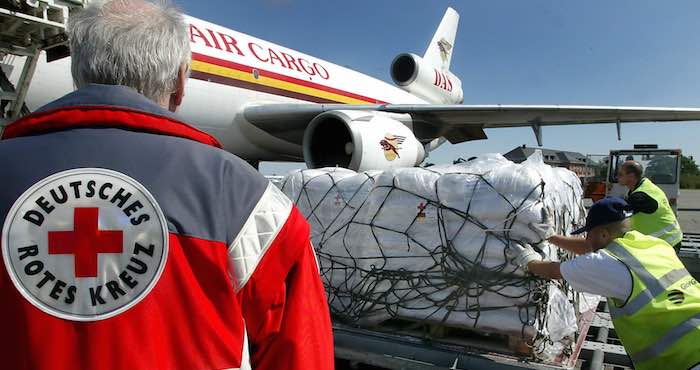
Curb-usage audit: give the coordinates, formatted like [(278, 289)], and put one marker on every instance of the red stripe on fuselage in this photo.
[(258, 87), (277, 76)]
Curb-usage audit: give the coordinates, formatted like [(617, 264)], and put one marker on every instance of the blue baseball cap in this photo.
[(606, 211)]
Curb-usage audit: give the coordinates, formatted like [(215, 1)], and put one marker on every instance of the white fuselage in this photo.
[(231, 70)]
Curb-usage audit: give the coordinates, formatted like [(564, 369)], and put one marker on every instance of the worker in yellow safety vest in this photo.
[(653, 214), (654, 301)]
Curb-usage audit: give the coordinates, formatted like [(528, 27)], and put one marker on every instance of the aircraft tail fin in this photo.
[(439, 51)]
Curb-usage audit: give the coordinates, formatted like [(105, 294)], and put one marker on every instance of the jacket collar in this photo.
[(637, 186), (108, 106)]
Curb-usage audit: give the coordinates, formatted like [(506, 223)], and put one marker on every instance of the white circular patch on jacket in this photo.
[(85, 244)]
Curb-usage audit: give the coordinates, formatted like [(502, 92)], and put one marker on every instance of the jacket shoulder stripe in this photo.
[(259, 231)]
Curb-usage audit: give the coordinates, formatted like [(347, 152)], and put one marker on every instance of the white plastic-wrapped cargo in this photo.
[(437, 244)]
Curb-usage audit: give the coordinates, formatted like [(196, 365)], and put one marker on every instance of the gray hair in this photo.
[(618, 229), (136, 43)]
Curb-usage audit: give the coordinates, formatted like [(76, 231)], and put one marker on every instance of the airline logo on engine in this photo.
[(85, 244), (391, 144)]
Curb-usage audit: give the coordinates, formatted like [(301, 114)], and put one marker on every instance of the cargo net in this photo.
[(437, 245)]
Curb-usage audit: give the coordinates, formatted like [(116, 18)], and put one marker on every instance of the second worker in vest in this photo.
[(654, 302), (653, 214)]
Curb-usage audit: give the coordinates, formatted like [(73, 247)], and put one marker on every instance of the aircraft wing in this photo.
[(460, 123)]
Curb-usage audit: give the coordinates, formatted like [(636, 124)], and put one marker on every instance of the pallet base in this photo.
[(493, 342), (405, 344)]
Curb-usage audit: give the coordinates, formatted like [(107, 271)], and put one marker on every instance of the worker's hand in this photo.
[(545, 230), (527, 255), (556, 239)]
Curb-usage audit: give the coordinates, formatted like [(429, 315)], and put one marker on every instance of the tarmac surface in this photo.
[(689, 211)]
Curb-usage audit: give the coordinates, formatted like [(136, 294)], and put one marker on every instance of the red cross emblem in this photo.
[(421, 210), (86, 241)]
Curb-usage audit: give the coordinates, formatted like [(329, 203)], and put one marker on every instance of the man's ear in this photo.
[(177, 96)]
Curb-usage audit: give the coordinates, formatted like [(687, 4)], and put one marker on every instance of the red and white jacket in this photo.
[(132, 241)]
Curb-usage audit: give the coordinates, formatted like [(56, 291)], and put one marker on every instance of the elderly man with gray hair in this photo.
[(130, 240)]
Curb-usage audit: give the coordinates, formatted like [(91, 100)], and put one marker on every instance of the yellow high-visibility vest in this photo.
[(659, 324), (662, 223)]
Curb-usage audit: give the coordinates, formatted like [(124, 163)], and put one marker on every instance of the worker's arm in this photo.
[(572, 244), (284, 303), (642, 202), (528, 259), (595, 272), (598, 273), (545, 269)]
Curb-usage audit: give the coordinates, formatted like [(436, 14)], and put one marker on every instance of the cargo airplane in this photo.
[(265, 102)]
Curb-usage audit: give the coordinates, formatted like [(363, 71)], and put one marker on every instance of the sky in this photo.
[(633, 53)]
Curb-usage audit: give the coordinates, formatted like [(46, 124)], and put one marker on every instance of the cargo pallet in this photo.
[(597, 348)]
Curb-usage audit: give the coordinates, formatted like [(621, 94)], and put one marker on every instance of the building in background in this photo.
[(575, 162)]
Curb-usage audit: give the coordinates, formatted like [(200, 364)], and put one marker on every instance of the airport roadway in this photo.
[(689, 211)]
